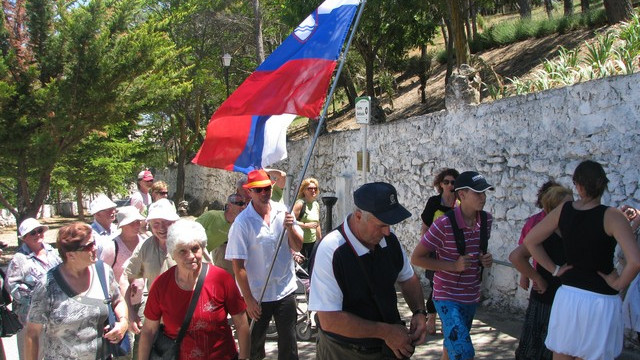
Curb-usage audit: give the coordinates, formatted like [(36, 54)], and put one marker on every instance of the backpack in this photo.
[(459, 234)]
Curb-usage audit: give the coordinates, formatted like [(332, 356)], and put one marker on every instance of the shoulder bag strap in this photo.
[(458, 234), (192, 304), (101, 270), (484, 232)]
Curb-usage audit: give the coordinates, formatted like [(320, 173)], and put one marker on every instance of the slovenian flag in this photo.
[(248, 131)]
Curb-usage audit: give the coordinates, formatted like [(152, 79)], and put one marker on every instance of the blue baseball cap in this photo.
[(381, 199)]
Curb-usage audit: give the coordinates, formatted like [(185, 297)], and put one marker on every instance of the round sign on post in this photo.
[(363, 109)]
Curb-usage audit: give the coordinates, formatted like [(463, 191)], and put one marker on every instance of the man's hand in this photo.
[(463, 263), (289, 220), (135, 324), (253, 308), (399, 340), (418, 329), (486, 260)]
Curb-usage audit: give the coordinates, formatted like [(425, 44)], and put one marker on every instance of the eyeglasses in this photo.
[(448, 182), (312, 188), (86, 247), (259, 190), (165, 193), (239, 203), (36, 231)]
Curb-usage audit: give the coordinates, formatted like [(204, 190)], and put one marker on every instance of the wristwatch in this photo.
[(420, 311)]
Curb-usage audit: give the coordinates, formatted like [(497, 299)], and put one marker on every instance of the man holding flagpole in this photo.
[(253, 238)]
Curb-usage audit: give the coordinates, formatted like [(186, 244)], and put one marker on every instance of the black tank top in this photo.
[(587, 247)]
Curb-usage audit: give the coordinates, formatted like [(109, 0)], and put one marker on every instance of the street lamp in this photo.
[(226, 62)]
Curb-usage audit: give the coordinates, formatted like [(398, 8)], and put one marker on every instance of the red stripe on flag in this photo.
[(297, 87), (225, 141)]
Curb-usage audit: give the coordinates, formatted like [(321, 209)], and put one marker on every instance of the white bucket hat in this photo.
[(29, 224), (128, 214), (102, 202), (162, 209)]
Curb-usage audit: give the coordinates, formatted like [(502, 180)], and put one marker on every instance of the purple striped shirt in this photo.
[(461, 287)]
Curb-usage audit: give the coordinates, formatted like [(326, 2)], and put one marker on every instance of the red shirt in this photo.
[(209, 335)]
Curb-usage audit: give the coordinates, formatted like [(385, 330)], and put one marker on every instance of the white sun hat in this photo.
[(162, 209), (128, 214), (102, 202), (29, 224)]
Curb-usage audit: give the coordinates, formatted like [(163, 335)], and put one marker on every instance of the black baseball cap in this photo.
[(472, 180), (381, 199)]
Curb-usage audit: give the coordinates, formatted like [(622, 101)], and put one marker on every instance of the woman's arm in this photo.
[(243, 333), (149, 330), (616, 225), (122, 322), (32, 340), (534, 239), (520, 259)]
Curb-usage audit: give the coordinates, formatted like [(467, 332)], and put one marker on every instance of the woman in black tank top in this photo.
[(590, 232)]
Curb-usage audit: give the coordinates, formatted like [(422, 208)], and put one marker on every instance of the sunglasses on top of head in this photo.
[(261, 189)]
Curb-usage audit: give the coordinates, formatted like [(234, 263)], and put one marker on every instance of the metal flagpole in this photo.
[(313, 142)]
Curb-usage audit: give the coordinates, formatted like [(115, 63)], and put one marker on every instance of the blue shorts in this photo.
[(456, 323)]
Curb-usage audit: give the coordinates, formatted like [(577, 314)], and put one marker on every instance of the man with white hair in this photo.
[(103, 211)]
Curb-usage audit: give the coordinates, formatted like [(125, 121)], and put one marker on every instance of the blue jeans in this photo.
[(285, 315)]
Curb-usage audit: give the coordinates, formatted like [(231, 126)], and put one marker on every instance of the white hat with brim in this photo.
[(29, 224), (162, 209), (128, 214), (102, 202)]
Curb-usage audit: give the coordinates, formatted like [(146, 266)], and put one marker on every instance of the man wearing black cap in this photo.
[(353, 283), (459, 262)]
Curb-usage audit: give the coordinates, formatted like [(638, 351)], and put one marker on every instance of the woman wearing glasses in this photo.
[(69, 304), (307, 211), (159, 190), (436, 206), (28, 266)]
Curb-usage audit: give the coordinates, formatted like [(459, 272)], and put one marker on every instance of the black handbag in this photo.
[(9, 322), (166, 348), (124, 346)]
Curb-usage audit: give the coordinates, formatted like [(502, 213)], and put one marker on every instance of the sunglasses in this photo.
[(448, 182), (312, 188), (239, 203), (36, 231), (86, 247), (259, 190), (163, 192)]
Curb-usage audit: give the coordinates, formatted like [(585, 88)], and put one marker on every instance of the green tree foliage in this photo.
[(68, 69)]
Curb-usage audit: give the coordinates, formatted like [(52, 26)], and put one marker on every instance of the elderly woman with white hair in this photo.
[(208, 335)]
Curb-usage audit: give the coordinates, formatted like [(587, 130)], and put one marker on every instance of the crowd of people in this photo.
[(209, 288)]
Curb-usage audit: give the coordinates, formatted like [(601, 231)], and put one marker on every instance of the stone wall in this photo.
[(518, 143)]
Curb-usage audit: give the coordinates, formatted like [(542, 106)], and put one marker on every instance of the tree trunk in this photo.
[(525, 9), (618, 10), (443, 28), (568, 7), (79, 203), (467, 24), (180, 176), (257, 24), (450, 52), (459, 35), (422, 73), (548, 7), (346, 81), (584, 5), (369, 73), (473, 12)]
